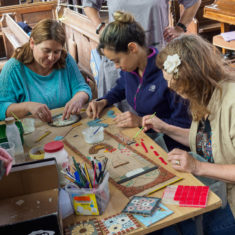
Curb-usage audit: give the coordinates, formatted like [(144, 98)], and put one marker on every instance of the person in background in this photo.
[(141, 83), (152, 15), (41, 76), (195, 70)]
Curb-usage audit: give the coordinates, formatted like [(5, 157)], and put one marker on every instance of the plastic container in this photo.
[(93, 134), (10, 148), (3, 137), (55, 149), (28, 125), (13, 135), (37, 153), (89, 201)]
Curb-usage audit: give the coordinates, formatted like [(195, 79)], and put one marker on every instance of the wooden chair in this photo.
[(13, 35)]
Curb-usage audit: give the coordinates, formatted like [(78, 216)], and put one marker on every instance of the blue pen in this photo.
[(100, 166), (77, 177), (96, 130), (100, 171)]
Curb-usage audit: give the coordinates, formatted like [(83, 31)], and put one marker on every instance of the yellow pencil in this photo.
[(161, 187), (43, 136), (87, 174)]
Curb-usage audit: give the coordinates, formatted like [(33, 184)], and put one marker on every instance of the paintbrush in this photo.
[(137, 133)]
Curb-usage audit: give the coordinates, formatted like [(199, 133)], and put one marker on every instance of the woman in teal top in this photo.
[(42, 76)]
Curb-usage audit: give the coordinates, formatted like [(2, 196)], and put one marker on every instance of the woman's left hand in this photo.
[(74, 106), (128, 119), (182, 161)]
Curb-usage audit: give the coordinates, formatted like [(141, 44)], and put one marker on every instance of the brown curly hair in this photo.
[(46, 29), (201, 71)]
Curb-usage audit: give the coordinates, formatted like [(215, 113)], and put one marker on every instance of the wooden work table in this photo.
[(117, 199)]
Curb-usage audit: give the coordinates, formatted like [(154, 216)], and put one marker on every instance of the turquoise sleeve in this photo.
[(8, 87)]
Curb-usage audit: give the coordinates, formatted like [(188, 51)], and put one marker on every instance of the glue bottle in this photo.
[(13, 135), (55, 149)]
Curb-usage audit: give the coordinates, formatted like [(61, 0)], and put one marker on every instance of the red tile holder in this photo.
[(186, 196)]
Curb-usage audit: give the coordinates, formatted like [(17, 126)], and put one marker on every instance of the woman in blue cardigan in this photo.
[(141, 83)]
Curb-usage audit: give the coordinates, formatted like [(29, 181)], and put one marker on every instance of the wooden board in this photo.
[(146, 175)]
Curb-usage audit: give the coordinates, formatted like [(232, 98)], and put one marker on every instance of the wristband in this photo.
[(99, 27), (182, 26)]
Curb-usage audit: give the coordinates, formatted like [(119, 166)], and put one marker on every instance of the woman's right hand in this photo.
[(155, 123), (40, 111), (95, 108)]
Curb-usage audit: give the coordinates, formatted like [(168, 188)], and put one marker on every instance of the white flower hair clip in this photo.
[(171, 63)]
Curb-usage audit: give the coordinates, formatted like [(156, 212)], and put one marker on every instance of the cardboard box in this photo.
[(29, 199)]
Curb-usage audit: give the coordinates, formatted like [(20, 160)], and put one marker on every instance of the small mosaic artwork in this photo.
[(160, 213), (142, 205), (58, 122), (119, 224), (111, 114), (97, 122), (88, 227)]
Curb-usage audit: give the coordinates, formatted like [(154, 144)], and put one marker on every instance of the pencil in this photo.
[(43, 136), (143, 127), (87, 174)]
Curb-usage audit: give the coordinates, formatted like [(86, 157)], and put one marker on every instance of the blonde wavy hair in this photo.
[(201, 71), (46, 29)]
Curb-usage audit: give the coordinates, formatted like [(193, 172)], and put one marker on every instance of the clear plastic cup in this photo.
[(94, 134), (28, 125), (10, 148)]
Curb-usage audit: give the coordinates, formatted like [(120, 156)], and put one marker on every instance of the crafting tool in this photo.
[(94, 169), (17, 119), (43, 136), (96, 130), (88, 176), (78, 179), (161, 187), (102, 173), (143, 127), (100, 166), (77, 166), (135, 173), (121, 164), (68, 172)]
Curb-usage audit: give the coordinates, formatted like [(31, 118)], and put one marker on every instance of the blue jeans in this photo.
[(216, 222)]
